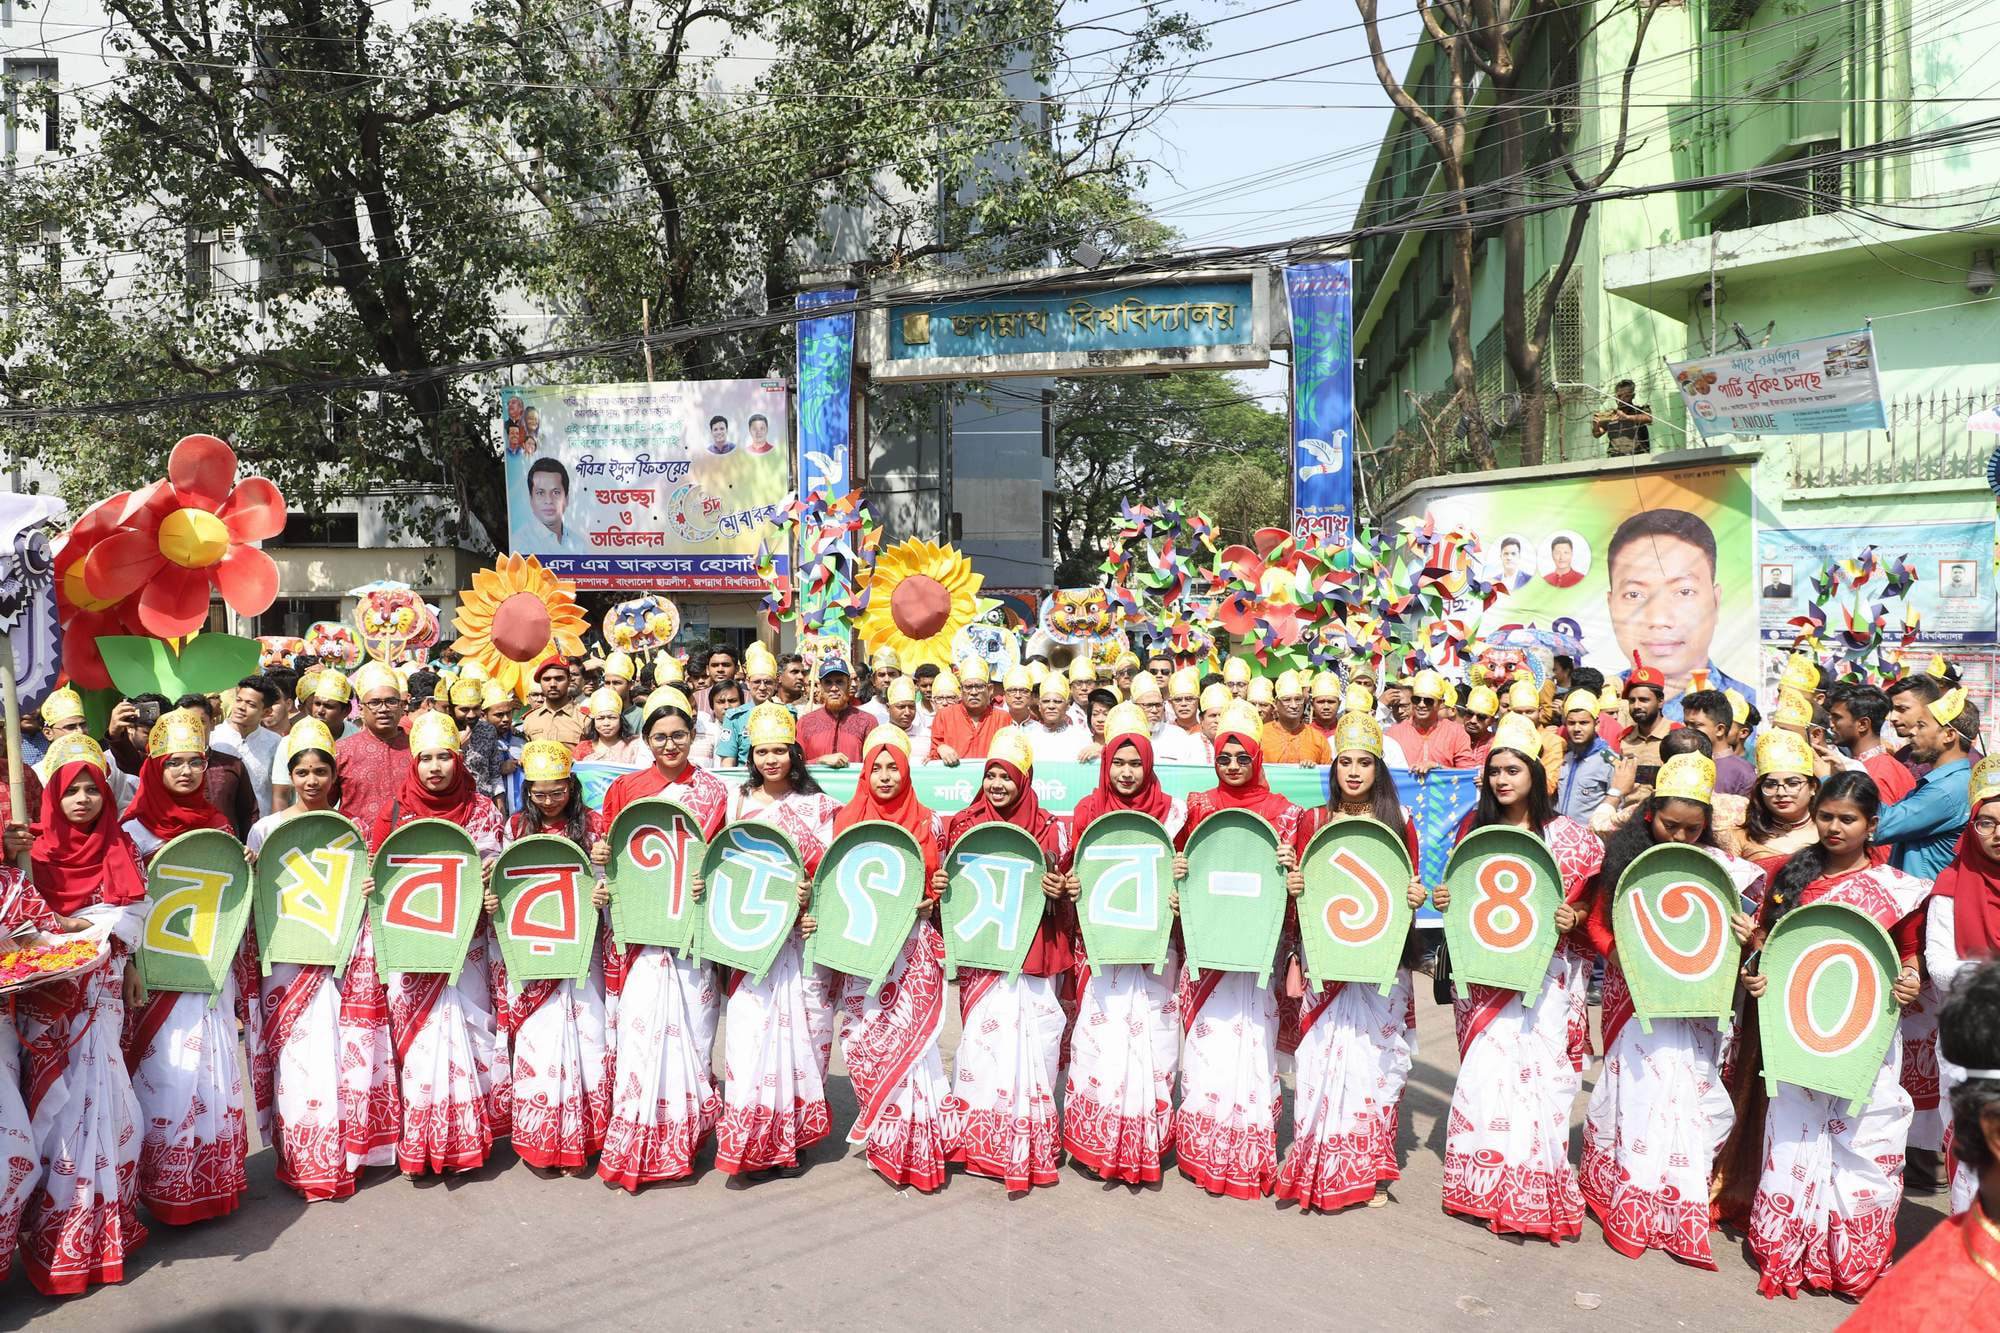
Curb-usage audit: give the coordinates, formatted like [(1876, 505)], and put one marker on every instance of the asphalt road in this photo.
[(834, 1247)]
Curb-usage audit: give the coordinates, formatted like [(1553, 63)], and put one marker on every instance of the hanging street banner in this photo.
[(1501, 926), (992, 899), (1355, 912), (426, 900), (865, 899), (1823, 386), (1671, 924), (1828, 1015), (1233, 899), (826, 381), (1124, 865), (753, 873), (655, 846), (546, 927), (199, 891), (308, 897), (646, 485), (1954, 591), (1321, 301)]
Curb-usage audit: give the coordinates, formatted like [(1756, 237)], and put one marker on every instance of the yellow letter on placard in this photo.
[(182, 920)]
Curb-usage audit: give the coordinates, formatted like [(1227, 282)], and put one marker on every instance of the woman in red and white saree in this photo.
[(181, 1046), (1226, 1129), (81, 1220), (1824, 1217), (450, 1063), (1118, 1105), (889, 1040), (1660, 1112), (1001, 1118), (1507, 1146), (561, 1074), (660, 1010), (1962, 930), (1356, 1045), (301, 1048), (779, 1031)]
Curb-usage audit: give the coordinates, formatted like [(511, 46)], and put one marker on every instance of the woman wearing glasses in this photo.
[(1780, 821)]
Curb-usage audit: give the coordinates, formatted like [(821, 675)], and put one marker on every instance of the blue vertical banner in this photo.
[(826, 379), (1320, 298)]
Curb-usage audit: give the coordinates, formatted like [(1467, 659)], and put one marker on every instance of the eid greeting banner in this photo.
[(646, 485), (1321, 297)]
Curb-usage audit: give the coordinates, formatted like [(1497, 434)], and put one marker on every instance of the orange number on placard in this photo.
[(1361, 912), (651, 847), (1678, 903), (1860, 1015), (1504, 882)]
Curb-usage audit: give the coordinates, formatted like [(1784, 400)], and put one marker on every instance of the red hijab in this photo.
[(415, 801), (1027, 813), (1972, 882), (903, 809), (166, 814), (76, 866), (1150, 799), (1255, 795)]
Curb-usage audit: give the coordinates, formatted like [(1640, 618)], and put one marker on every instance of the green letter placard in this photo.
[(1501, 926), (546, 925), (308, 898), (426, 901), (1827, 1016), (753, 874), (1355, 912), (199, 887), (1233, 899), (865, 899), (1674, 943), (655, 845), (992, 899), (1125, 868)]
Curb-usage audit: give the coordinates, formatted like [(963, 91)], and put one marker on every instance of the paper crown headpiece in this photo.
[(1523, 697), (1582, 701), (63, 705), (1794, 709), (887, 734), (771, 724), (902, 690), (435, 731), (1356, 699), (1010, 745), (1800, 673), (1985, 784), (604, 702), (1215, 698), (1783, 752), (1357, 731), (667, 696), (76, 747), (1145, 690), (179, 732), (330, 687), (1326, 685), (946, 685), (1481, 701), (546, 761), (308, 733), (758, 664), (620, 666), (1082, 669), (1260, 691), (1236, 671), (885, 659), (667, 669), (1517, 732), (1947, 706), (1126, 720), (1687, 777), (1739, 707), (1428, 685), (1184, 684), (1240, 719), (1288, 686)]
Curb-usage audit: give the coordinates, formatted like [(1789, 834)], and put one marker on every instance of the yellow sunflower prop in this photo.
[(921, 596), (513, 617)]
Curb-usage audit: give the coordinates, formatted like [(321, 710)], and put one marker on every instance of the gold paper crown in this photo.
[(945, 686), (1482, 701), (1582, 701), (1938, 666), (1010, 745), (1145, 690), (1517, 732), (435, 731), (902, 690), (1356, 699), (1038, 671), (1215, 698), (1428, 685), (441, 692), (1017, 678), (974, 671), (1236, 671), (492, 694), (1687, 777), (1126, 720), (308, 733), (1784, 752), (63, 705), (1288, 686), (885, 659), (1183, 684), (1358, 730), (1326, 685), (1476, 674), (1053, 686), (621, 666), (1984, 787), (1523, 695), (1800, 673), (1612, 685), (374, 676), (467, 693), (77, 747), (546, 761), (1947, 706), (1081, 668), (604, 702), (471, 670), (1739, 707), (1260, 691), (771, 724), (667, 696), (1794, 709), (1127, 661), (179, 732), (758, 664), (887, 734), (667, 669), (1240, 719), (332, 688)]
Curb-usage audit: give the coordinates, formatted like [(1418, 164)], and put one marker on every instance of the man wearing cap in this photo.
[(1055, 736), (884, 669), (61, 714), (1019, 693), (1082, 680), (1922, 830), (1428, 739), (1236, 676), (964, 730), (557, 717), (760, 684), (621, 673), (1479, 716), (1325, 695), (496, 703), (1584, 775), (905, 712), (1184, 707), (1286, 737), (832, 733), (372, 763), (1639, 743), (484, 752)]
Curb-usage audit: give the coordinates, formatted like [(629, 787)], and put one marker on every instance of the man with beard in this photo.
[(1639, 743), (1478, 716)]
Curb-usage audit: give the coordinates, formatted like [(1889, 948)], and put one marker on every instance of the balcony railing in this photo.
[(1926, 441)]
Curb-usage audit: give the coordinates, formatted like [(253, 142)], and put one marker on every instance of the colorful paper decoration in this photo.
[(546, 927), (308, 897), (1125, 871), (1501, 926), (655, 845), (1233, 899), (642, 624), (514, 617), (1876, 627), (393, 621), (993, 899), (1355, 914), (753, 873), (1671, 921), (426, 900), (827, 586), (865, 899), (333, 644), (198, 887), (1827, 1015), (30, 620)]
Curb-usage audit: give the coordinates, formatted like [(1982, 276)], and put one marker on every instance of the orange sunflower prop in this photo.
[(514, 617), (919, 596)]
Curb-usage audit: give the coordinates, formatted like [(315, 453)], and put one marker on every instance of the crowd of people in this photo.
[(1850, 793)]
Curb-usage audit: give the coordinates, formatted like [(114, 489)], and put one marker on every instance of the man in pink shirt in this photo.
[(1430, 740)]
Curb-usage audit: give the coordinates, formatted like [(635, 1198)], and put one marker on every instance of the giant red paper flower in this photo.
[(83, 616), (179, 537)]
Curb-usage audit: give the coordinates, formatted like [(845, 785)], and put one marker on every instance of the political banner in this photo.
[(646, 485), (992, 899), (865, 899), (826, 381), (1355, 913), (546, 927), (1321, 300), (1827, 1015), (198, 891), (753, 873), (1500, 928), (426, 902), (1233, 899), (1671, 922), (308, 898), (1124, 864), (655, 845), (1953, 594), (1822, 386)]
